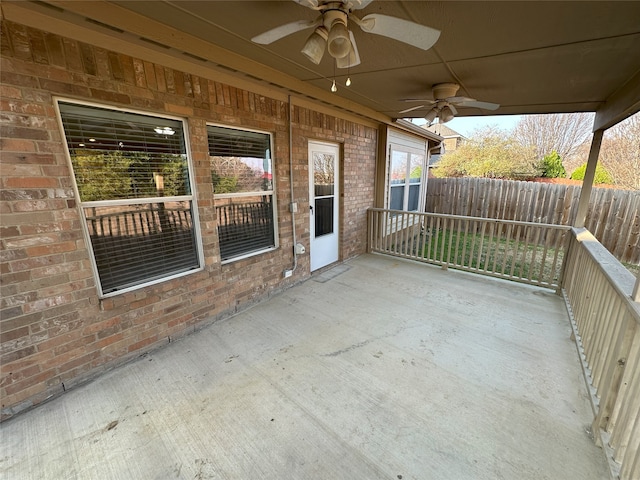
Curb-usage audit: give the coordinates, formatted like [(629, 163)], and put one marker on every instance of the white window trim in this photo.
[(81, 205), (411, 151), (272, 192)]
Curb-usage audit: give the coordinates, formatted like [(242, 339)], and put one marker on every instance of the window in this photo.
[(133, 178), (242, 177), (405, 179)]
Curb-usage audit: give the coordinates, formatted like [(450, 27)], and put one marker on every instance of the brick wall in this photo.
[(55, 331)]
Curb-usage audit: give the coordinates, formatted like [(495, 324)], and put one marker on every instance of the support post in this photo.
[(635, 296), (587, 183)]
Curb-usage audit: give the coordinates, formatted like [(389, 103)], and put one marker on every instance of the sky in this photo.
[(466, 125)]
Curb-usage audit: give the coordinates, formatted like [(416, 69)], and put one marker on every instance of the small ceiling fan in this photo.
[(445, 102), (331, 31)]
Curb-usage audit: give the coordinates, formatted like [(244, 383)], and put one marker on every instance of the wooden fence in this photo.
[(613, 216)]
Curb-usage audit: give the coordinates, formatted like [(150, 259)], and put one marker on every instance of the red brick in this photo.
[(6, 336), (26, 158), (38, 205), (75, 346), (54, 49), (6, 232), (45, 303), (32, 393), (50, 249), (72, 57), (143, 343), (64, 88), (111, 97), (52, 343), (107, 341), (100, 326), (10, 92), (16, 145), (17, 354), (10, 377), (76, 367), (31, 381), (31, 182)]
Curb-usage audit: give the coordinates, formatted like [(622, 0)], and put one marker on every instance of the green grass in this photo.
[(635, 269), (507, 257)]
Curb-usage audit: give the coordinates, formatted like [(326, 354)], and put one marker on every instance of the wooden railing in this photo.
[(606, 323), (596, 287), (521, 251), (613, 216)]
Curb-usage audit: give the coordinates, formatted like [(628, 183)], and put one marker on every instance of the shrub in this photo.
[(491, 154), (601, 176), (552, 166)]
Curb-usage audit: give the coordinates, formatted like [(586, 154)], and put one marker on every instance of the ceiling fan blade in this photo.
[(412, 109), (308, 3), (353, 58), (358, 4), (398, 29), (426, 100), (476, 104), (282, 31), (457, 99)]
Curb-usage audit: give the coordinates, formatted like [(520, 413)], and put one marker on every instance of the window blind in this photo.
[(241, 164), (127, 156)]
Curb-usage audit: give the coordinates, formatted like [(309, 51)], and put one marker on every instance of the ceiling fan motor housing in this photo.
[(445, 90)]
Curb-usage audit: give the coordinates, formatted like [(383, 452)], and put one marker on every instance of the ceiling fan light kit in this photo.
[(446, 114), (332, 31), (431, 116), (314, 47), (339, 43)]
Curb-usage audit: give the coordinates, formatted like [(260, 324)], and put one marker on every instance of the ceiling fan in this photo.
[(331, 31), (445, 102)]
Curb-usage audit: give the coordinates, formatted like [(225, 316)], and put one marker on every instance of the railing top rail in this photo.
[(621, 279), (483, 219)]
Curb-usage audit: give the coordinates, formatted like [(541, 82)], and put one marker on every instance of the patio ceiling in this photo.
[(530, 57)]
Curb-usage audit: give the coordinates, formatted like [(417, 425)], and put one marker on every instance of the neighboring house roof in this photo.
[(443, 131), (408, 126)]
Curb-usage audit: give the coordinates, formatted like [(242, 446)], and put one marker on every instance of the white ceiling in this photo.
[(530, 57)]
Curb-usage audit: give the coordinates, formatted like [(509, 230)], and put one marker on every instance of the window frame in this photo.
[(397, 147), (132, 201), (232, 196)]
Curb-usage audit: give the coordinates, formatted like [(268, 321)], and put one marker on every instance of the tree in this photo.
[(115, 174), (492, 153), (601, 176), (562, 133), (552, 166), (234, 174), (620, 153)]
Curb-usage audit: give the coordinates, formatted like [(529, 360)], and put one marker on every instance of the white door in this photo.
[(323, 203)]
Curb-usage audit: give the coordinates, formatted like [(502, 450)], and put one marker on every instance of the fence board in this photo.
[(613, 216)]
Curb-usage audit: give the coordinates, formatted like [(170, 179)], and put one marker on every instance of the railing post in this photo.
[(589, 176), (568, 245), (635, 296)]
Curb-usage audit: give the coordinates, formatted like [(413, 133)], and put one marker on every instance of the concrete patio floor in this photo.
[(376, 369)]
